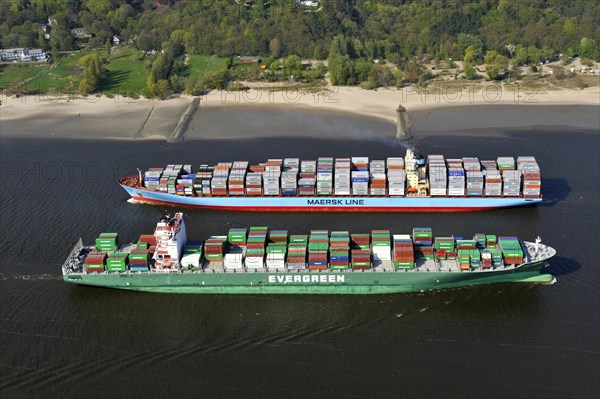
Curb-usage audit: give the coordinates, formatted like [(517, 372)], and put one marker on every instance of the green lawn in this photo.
[(14, 75), (126, 73), (61, 76), (198, 65), (42, 78)]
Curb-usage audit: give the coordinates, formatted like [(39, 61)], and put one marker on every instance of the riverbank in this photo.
[(125, 118), (91, 118), (382, 103)]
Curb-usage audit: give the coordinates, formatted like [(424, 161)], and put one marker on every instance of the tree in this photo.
[(275, 47), (411, 72), (511, 48), (190, 42), (381, 76), (341, 70), (176, 42), (521, 55), (161, 89), (292, 65), (470, 72), (161, 68), (147, 40), (588, 48), (399, 80), (43, 42), (533, 54), (216, 80), (496, 64), (466, 40), (472, 55), (362, 69), (92, 73), (339, 46)]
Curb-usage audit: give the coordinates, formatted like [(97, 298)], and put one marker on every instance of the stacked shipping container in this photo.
[(275, 250), (354, 176)]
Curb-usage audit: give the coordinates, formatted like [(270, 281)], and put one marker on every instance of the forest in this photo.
[(349, 34)]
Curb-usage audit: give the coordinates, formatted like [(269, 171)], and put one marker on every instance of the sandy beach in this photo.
[(125, 118), (382, 103)]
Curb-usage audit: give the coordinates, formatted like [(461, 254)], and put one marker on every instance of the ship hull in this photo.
[(328, 282), (331, 204)]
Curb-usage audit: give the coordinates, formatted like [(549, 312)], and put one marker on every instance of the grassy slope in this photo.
[(126, 72), (42, 78), (198, 65)]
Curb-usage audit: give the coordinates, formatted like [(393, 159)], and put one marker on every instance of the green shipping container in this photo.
[(139, 256), (192, 250), (361, 263), (298, 239), (276, 249), (339, 267), (116, 265)]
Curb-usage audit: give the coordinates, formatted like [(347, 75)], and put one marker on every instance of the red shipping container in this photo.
[(138, 262), (94, 269), (148, 238)]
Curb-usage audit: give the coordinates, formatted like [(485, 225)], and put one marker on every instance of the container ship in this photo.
[(400, 184), (257, 260)]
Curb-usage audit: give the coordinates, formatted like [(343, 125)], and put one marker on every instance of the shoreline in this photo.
[(139, 119), (382, 103)]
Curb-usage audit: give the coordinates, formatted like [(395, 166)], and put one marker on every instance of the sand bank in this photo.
[(90, 118), (123, 118), (383, 103)]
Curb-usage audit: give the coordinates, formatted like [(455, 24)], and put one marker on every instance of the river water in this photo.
[(491, 341)]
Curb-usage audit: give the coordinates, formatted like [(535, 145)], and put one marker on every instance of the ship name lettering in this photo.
[(354, 202), (322, 278), (335, 202)]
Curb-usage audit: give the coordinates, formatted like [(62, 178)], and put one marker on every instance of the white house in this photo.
[(23, 54), (80, 32), (116, 40)]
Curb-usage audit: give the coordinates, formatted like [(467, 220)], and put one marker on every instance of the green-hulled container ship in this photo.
[(257, 260)]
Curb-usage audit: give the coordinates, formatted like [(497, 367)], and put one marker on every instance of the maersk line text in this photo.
[(306, 279), (335, 202)]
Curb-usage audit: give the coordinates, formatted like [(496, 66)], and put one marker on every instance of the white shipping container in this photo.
[(453, 192), (382, 253), (190, 260), (396, 192), (438, 192), (254, 262), (402, 237)]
